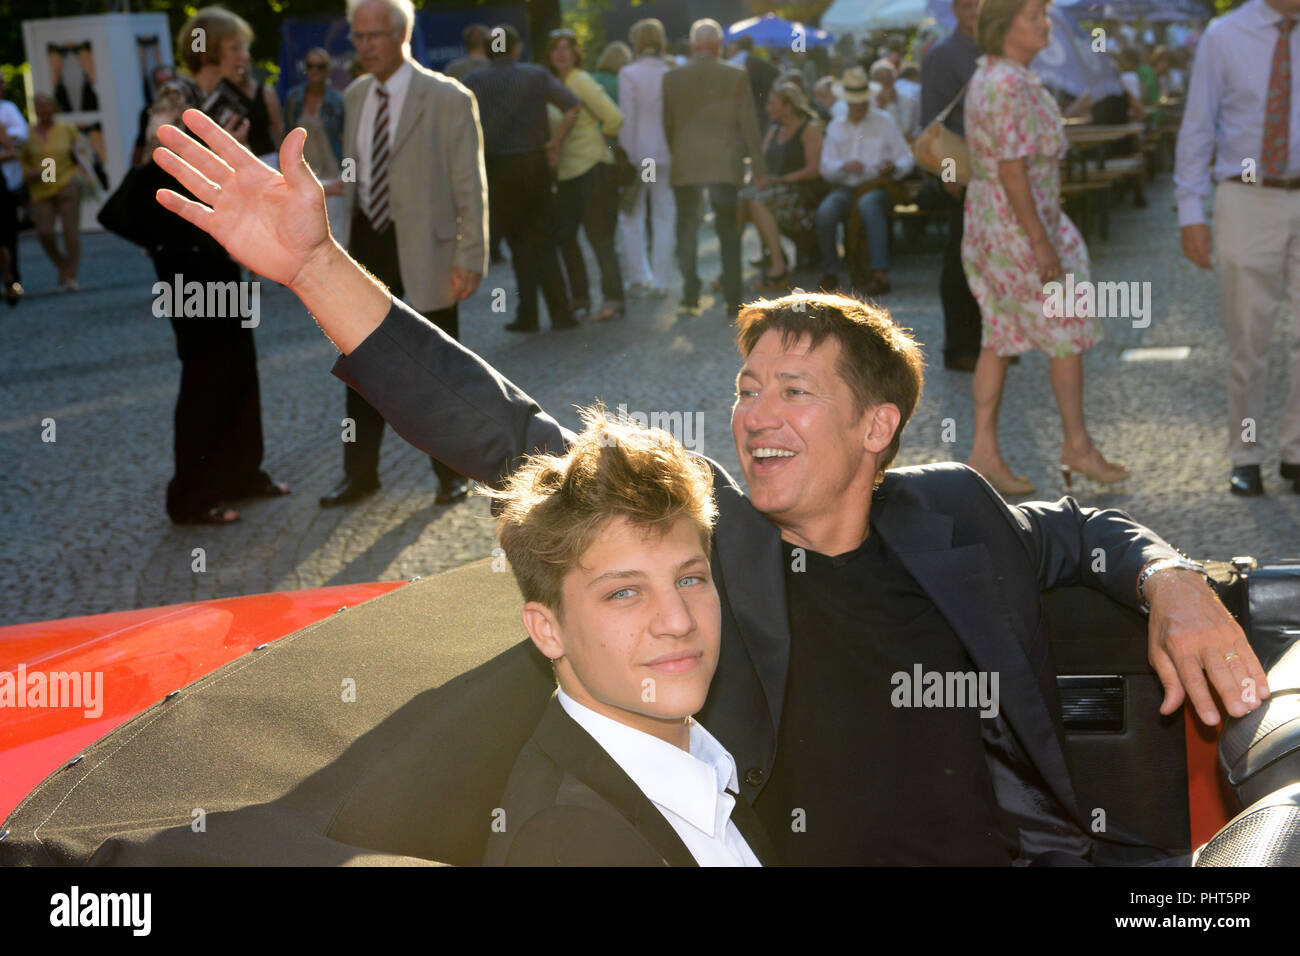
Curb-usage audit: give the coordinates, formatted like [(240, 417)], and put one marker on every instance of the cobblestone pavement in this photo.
[(82, 521)]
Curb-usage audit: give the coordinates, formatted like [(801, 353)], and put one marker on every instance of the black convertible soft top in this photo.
[(287, 771)]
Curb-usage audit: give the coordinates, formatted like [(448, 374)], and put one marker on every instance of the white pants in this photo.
[(663, 216), (1257, 248)]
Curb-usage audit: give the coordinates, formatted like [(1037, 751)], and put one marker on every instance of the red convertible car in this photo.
[(352, 724)]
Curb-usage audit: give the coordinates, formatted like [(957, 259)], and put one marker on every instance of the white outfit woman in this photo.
[(640, 98)]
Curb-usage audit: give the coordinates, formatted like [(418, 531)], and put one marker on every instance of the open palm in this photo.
[(271, 222)]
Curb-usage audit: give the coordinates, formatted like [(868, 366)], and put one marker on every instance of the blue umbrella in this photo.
[(1109, 9), (770, 30), (1069, 63)]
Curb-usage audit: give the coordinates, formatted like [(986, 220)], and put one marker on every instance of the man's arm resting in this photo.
[(1191, 635)]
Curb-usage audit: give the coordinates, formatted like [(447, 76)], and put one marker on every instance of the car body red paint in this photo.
[(143, 655)]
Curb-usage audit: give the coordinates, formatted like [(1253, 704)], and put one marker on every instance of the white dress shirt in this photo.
[(641, 100), (909, 88), (11, 118), (873, 142), (689, 789), (1223, 117), (396, 86)]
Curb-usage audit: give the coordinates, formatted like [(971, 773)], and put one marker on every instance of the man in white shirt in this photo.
[(865, 147), (416, 215), (904, 109), (617, 772), (1241, 129)]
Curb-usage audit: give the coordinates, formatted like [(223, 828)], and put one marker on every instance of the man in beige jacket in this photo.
[(710, 124), (416, 210)]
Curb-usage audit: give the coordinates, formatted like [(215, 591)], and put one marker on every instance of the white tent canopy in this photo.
[(859, 16)]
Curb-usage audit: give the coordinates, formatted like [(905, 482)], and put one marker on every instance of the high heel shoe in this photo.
[(1109, 474), (610, 311)]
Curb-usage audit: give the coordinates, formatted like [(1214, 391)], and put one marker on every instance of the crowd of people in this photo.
[(629, 156)]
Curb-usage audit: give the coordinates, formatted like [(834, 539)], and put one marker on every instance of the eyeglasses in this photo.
[(373, 37), (318, 66)]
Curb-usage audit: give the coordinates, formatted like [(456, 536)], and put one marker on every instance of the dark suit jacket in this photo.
[(568, 803), (983, 563)]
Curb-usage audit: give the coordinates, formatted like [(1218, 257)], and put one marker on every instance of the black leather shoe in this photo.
[(1292, 473), (348, 491), (1245, 481), (566, 324), (829, 282), (452, 492), (960, 363), (518, 326)]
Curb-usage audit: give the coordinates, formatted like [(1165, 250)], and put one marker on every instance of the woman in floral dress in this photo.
[(1017, 239)]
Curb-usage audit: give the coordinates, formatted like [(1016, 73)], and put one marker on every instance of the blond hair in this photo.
[(217, 25), (648, 34), (553, 507)]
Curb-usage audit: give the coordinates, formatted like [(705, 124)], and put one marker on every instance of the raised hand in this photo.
[(272, 222)]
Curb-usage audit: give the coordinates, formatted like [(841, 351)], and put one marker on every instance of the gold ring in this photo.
[(1230, 656)]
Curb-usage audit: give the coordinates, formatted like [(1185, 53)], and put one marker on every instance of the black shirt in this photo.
[(876, 783), (944, 71), (512, 100)]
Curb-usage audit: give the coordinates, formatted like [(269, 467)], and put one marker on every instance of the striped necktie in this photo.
[(379, 211), (1277, 105)]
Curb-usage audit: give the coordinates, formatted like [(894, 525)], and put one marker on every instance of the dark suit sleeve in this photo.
[(579, 836), (445, 400), (1103, 549)]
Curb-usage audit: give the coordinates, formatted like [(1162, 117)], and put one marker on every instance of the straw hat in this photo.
[(854, 87)]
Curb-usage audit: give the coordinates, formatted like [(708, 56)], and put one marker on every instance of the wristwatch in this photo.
[(1165, 564)]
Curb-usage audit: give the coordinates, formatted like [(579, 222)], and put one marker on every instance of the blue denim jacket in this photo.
[(331, 113)]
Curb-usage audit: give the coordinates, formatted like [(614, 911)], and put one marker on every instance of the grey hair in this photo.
[(402, 14), (882, 64), (707, 30)]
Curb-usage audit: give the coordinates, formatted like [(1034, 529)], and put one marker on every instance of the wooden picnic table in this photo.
[(1092, 134)]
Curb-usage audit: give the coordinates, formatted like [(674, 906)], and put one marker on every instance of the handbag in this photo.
[(134, 213), (937, 145)]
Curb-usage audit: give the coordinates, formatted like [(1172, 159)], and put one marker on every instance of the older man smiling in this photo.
[(834, 573)]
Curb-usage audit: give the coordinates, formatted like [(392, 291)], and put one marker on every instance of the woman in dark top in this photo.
[(265, 122), (785, 200)]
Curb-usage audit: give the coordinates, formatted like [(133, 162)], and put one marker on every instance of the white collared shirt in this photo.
[(873, 142), (689, 789), (396, 86), (1223, 116)]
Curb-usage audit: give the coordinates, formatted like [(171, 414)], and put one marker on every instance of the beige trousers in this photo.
[(65, 207), (1257, 249)]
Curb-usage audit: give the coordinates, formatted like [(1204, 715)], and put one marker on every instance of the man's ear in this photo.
[(543, 627), (882, 424)]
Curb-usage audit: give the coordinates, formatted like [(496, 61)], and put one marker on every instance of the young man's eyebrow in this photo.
[(622, 574)]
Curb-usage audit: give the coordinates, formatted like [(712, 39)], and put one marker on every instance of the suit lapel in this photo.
[(751, 828), (576, 751), (962, 585), (413, 107), (749, 548)]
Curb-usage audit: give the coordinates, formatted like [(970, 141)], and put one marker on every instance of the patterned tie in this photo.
[(1277, 105), (379, 217)]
